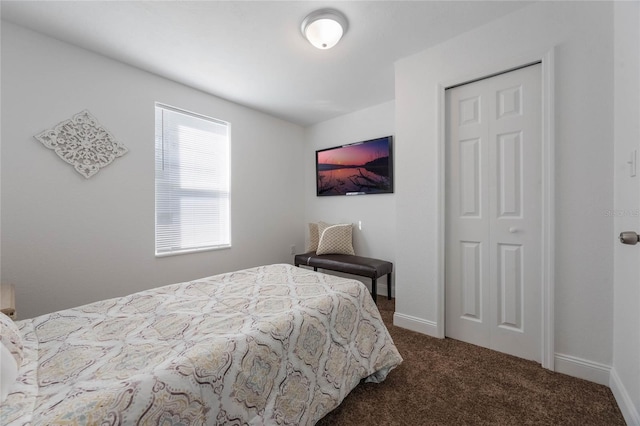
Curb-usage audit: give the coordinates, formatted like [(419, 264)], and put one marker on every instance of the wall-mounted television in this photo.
[(355, 169)]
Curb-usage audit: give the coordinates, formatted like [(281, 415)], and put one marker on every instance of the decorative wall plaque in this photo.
[(84, 143)]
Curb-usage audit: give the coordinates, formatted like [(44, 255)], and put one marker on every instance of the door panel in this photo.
[(471, 283), (510, 286), (493, 213), (470, 194), (510, 175)]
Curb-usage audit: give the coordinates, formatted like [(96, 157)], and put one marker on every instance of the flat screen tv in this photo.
[(355, 169)]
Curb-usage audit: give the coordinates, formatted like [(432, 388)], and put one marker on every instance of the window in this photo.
[(192, 182)]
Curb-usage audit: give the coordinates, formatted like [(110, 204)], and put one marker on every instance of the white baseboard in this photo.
[(419, 325), (629, 411), (582, 368)]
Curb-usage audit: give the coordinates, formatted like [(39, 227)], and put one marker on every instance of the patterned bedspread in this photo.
[(269, 345)]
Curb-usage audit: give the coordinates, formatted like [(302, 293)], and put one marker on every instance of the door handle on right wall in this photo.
[(629, 237)]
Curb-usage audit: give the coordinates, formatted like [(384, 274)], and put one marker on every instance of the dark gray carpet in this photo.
[(448, 382)]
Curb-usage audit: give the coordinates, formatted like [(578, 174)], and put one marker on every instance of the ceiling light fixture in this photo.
[(324, 28)]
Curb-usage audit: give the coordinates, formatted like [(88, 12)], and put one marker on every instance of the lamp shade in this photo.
[(324, 28)]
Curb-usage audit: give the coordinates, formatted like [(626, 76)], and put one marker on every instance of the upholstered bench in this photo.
[(349, 264)]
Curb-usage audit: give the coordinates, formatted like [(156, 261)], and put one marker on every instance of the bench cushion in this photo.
[(350, 264)]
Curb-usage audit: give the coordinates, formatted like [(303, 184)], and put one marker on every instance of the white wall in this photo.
[(582, 34), (67, 240), (376, 212), (625, 377)]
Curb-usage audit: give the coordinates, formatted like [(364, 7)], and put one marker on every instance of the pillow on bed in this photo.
[(11, 353), (335, 239)]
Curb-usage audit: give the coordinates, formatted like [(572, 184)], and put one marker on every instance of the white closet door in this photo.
[(493, 223)]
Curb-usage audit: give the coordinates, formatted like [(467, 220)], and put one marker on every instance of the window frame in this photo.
[(185, 193)]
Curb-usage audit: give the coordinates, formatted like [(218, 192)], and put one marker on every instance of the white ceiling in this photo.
[(252, 52)]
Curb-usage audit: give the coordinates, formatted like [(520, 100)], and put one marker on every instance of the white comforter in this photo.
[(268, 345)]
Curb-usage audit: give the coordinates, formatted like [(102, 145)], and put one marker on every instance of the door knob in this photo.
[(629, 237), (513, 229)]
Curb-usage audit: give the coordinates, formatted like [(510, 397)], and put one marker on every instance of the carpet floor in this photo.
[(448, 382)]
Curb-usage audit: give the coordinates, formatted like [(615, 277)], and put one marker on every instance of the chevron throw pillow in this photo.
[(335, 239)]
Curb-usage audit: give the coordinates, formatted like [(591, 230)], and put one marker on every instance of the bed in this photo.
[(269, 345)]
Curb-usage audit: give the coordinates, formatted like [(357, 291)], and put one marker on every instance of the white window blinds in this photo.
[(192, 182)]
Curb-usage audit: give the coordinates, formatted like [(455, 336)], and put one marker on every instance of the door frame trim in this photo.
[(547, 286)]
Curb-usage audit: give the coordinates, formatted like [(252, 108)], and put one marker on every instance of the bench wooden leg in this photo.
[(374, 289), (389, 286)]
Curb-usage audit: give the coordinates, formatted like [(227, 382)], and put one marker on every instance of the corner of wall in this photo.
[(625, 403)]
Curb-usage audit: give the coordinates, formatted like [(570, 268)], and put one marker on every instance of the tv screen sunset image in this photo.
[(360, 168)]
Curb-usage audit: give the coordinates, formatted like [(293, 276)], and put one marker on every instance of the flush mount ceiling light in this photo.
[(324, 28)]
